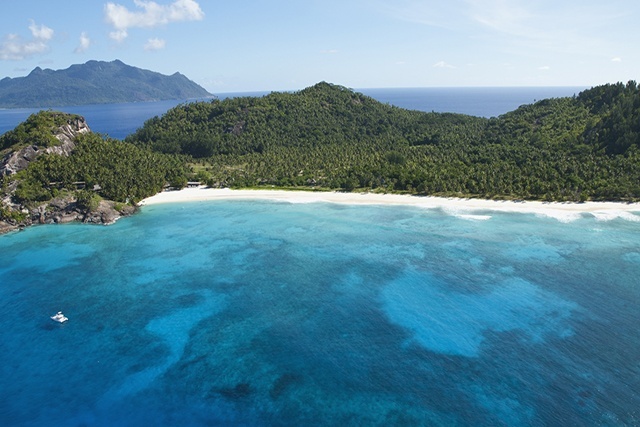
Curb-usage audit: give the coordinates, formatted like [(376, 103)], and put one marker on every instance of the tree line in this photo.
[(330, 137), (327, 136)]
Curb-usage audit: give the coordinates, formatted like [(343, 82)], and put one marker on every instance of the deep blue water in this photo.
[(115, 120), (120, 120), (253, 313), (474, 101)]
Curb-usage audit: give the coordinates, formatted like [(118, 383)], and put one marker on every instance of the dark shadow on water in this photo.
[(238, 392), (49, 326), (284, 383)]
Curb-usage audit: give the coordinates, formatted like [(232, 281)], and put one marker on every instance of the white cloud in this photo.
[(118, 35), (442, 64), (155, 44), (41, 32), (85, 42), (544, 68), (151, 14), (15, 48), (616, 59), (329, 51)]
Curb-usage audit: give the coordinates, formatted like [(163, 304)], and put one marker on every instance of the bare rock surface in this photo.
[(18, 160)]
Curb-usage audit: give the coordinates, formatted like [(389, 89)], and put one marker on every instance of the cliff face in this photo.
[(18, 160)]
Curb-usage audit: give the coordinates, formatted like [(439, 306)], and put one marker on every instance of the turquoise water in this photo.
[(253, 313)]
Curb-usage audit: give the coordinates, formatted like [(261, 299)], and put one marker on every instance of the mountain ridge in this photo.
[(95, 82)]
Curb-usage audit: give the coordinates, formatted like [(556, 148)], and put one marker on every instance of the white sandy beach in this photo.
[(476, 209)]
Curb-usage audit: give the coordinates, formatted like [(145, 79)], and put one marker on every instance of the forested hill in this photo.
[(95, 82), (579, 148), (52, 166), (329, 137), (320, 115)]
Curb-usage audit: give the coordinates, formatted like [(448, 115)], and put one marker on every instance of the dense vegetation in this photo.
[(119, 172), (327, 136), (95, 82), (38, 129)]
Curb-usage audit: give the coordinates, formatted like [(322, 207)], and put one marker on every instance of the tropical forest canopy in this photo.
[(38, 129), (327, 137), (119, 171), (123, 172)]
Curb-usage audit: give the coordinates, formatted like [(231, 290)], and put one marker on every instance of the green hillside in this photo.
[(38, 129), (95, 82), (117, 170), (327, 136)]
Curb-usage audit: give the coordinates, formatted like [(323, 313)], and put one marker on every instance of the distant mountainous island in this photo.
[(95, 82)]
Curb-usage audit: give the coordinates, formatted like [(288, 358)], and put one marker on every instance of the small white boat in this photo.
[(59, 317)]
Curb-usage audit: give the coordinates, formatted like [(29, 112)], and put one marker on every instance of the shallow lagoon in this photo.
[(264, 313)]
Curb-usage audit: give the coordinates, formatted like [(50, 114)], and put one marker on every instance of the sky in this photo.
[(277, 45)]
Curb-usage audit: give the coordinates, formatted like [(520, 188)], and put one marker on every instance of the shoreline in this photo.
[(466, 208)]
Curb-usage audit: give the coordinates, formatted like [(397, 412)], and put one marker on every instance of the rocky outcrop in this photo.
[(16, 161), (62, 210), (106, 213)]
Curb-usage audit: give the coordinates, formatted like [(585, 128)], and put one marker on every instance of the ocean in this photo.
[(258, 313), (120, 120)]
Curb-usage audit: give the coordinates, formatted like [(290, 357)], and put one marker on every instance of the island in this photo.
[(326, 138), (95, 82)]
